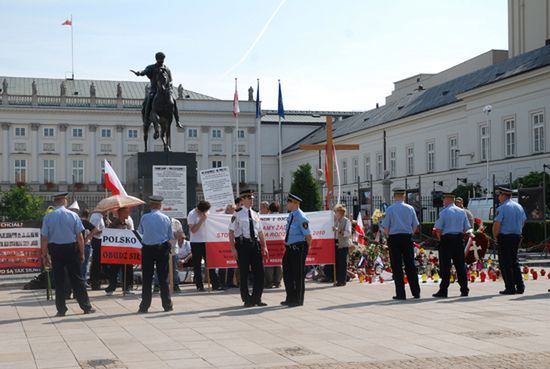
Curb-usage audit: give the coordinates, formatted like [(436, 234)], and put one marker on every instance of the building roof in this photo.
[(432, 98), (81, 88), (303, 116)]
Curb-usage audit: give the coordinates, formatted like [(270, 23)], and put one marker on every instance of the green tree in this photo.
[(533, 179), (18, 204), (466, 191), (307, 188)]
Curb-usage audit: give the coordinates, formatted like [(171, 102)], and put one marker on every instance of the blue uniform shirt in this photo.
[(400, 218), (61, 226), (298, 229), (452, 220), (511, 216), (156, 228)]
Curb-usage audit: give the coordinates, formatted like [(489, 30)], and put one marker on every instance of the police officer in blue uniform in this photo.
[(61, 236), (156, 230), (297, 243), (248, 246), (450, 228), (400, 223), (507, 228)]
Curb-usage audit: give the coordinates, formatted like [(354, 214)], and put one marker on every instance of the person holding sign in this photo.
[(245, 237), (122, 221), (297, 243), (62, 238), (156, 230)]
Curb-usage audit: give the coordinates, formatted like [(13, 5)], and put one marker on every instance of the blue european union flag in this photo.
[(281, 109), (258, 111)]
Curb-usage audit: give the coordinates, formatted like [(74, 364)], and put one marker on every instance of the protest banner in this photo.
[(120, 246), (217, 188), (322, 251), (20, 248), (170, 182)]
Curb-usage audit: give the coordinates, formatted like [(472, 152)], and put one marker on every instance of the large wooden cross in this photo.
[(329, 149)]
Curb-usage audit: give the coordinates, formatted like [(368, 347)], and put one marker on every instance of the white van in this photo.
[(482, 207)]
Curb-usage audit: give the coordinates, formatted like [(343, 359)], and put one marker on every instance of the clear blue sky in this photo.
[(334, 55)]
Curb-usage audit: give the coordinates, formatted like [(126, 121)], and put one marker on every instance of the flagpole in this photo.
[(280, 150), (258, 143), (72, 49), (237, 144)]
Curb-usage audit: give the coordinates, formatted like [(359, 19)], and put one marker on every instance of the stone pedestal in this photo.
[(386, 190)]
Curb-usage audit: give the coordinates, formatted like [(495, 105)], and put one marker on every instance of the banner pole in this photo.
[(48, 285), (124, 281), (171, 273), (207, 272)]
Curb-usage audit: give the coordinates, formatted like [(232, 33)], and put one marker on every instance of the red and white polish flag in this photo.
[(112, 182)]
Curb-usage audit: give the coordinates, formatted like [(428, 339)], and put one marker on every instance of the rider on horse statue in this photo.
[(152, 72)]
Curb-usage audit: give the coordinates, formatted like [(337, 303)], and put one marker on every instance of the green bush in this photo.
[(18, 204)]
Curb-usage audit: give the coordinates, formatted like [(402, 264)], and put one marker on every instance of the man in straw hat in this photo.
[(156, 230), (248, 245), (509, 220), (400, 223), (450, 228), (297, 243), (62, 238)]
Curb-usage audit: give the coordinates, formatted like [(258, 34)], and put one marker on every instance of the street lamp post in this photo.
[(487, 111)]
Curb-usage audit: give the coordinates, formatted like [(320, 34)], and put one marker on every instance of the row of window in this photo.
[(76, 132), (216, 133)]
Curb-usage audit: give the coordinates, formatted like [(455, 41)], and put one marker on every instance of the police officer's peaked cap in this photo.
[(155, 199), (504, 191), (294, 197), (60, 195), (248, 192), (449, 194), (399, 191)]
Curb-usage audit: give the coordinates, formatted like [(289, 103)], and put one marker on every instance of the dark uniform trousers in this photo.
[(402, 251), (294, 263), (341, 264), (198, 250), (152, 255), (95, 266), (451, 246), (250, 259), (508, 260), (65, 258)]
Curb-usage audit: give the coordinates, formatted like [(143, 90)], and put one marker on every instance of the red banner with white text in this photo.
[(120, 246), (322, 251)]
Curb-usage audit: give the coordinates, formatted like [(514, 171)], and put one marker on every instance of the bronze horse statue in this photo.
[(162, 112)]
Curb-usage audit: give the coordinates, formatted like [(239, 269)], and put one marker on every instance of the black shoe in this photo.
[(261, 304), (169, 308), (416, 296), (507, 292), (464, 293), (96, 288), (285, 303), (520, 291), (61, 313), (143, 311), (248, 304), (440, 294), (399, 298), (89, 311), (200, 289), (219, 288), (177, 288), (293, 304)]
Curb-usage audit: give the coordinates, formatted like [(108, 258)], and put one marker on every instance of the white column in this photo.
[(252, 168), (229, 151), (63, 155), (34, 164), (5, 170), (120, 153), (94, 168), (204, 148)]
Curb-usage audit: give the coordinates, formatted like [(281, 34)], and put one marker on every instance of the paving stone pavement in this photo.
[(357, 326)]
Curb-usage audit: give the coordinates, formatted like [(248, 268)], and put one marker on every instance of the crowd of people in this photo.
[(72, 242)]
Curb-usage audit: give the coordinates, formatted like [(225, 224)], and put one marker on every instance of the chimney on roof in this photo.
[(376, 105), (250, 94)]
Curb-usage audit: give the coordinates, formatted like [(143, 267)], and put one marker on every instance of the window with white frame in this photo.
[(484, 142), (509, 137), (410, 160), (132, 133), (355, 169), (430, 156), (537, 120), (20, 132), (192, 132), (106, 148), (367, 168), (379, 166), (48, 132), (106, 132), (453, 152), (49, 171), (393, 162), (78, 171), (344, 172), (241, 171), (216, 133), (78, 132), (216, 163), (20, 170)]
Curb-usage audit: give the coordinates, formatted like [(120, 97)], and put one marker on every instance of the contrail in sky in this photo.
[(266, 25)]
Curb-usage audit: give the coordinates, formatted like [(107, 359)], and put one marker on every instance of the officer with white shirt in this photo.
[(248, 246)]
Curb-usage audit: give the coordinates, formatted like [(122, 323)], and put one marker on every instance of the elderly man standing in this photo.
[(156, 230), (62, 238), (400, 223)]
